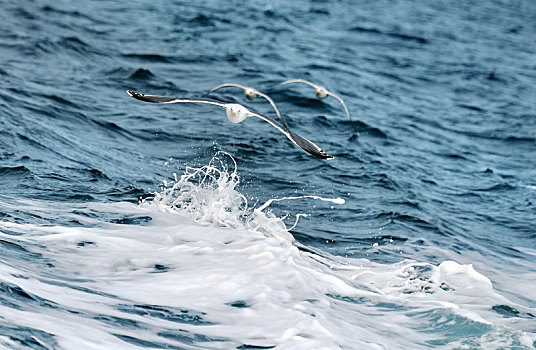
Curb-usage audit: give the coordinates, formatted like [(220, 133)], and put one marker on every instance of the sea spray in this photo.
[(210, 271), (209, 194)]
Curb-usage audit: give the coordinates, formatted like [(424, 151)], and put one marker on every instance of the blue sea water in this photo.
[(128, 225)]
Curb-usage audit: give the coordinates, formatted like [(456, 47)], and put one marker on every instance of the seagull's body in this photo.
[(252, 94), (321, 92), (237, 113)]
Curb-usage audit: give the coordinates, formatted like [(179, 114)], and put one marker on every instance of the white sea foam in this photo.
[(209, 272)]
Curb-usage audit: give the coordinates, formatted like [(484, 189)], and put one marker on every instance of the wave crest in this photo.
[(207, 193)]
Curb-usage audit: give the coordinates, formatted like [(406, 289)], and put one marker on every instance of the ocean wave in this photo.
[(196, 266), (392, 34)]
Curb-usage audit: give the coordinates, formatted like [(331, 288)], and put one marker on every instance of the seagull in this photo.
[(252, 94), (237, 113), (321, 92)]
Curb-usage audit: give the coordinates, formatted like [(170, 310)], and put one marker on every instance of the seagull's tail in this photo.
[(308, 146)]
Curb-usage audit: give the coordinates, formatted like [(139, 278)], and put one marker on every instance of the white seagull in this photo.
[(252, 94), (237, 113), (321, 92)]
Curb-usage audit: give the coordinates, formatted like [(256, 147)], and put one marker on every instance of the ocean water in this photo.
[(126, 225)]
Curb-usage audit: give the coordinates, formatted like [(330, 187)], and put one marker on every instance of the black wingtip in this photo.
[(319, 154), (323, 155), (308, 146), (135, 95), (153, 98)]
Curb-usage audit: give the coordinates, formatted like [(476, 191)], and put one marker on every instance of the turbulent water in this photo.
[(127, 225)]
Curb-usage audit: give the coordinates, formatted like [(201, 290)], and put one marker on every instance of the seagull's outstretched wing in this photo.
[(266, 97), (329, 93), (283, 121), (342, 102), (166, 99), (228, 85), (300, 141), (291, 81)]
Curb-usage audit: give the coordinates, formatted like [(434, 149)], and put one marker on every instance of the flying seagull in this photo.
[(321, 92), (252, 94), (237, 113)]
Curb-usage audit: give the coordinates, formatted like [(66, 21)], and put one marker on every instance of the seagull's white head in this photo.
[(321, 92), (236, 113), (251, 94)]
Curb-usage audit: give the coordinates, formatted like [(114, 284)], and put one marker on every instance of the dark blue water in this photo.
[(441, 166)]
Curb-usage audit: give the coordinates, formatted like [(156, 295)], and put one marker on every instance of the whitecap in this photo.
[(209, 271)]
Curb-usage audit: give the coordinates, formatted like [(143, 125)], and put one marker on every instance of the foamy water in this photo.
[(197, 267)]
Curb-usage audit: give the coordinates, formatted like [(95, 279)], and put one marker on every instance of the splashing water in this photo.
[(208, 271), (209, 194)]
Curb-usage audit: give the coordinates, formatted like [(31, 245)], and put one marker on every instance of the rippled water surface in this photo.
[(130, 225)]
